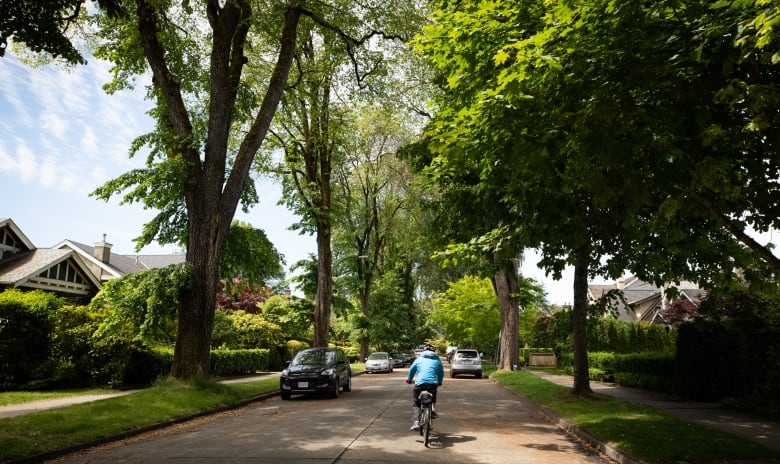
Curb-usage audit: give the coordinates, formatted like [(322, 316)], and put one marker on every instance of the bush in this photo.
[(603, 335), (291, 348), (71, 344), (238, 362), (121, 363), (24, 337), (649, 370), (242, 330)]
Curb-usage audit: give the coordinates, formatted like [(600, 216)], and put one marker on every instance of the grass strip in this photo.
[(46, 431), (636, 430)]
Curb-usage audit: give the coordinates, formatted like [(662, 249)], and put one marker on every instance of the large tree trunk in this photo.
[(324, 296), (579, 322), (196, 305), (507, 288)]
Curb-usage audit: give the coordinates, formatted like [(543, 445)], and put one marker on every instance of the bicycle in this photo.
[(426, 415)]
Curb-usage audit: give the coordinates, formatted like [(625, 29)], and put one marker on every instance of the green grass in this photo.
[(45, 431), (636, 430), (16, 397)]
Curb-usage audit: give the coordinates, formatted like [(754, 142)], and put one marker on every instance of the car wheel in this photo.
[(348, 385), (285, 395), (452, 374), (479, 376), (334, 392)]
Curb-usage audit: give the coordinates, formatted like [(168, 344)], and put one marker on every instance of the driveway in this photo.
[(480, 423)]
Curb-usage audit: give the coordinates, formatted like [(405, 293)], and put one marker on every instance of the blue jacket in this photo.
[(428, 368)]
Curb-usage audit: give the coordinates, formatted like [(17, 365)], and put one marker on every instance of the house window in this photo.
[(65, 272), (8, 244)]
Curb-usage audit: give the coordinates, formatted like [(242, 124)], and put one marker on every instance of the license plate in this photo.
[(303, 384)]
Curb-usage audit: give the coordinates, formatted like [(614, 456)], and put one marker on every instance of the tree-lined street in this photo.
[(480, 423)]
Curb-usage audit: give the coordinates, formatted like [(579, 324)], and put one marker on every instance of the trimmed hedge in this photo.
[(648, 370)]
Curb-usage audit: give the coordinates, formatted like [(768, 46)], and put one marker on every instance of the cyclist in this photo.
[(430, 374)]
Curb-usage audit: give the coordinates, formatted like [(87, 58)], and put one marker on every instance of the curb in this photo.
[(573, 430)]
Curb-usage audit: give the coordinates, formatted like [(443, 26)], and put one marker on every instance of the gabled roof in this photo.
[(30, 269), (10, 225), (119, 265), (644, 299)]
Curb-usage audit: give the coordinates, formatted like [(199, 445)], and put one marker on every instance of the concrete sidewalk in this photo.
[(712, 415)]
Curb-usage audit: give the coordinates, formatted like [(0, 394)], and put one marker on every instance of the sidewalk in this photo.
[(712, 415)]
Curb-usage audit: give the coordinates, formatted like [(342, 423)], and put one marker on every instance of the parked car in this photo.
[(466, 362), (399, 359), (316, 370), (379, 361)]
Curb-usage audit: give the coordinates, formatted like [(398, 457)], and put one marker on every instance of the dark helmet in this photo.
[(429, 347)]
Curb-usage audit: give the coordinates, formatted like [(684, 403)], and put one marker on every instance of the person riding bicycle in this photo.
[(430, 374)]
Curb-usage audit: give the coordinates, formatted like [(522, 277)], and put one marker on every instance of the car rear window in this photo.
[(466, 354)]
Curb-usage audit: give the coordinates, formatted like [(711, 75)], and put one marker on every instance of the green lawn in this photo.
[(636, 430)]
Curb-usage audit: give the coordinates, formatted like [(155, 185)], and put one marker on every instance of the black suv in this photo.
[(316, 370)]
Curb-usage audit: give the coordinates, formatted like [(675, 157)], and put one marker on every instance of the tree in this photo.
[(311, 131), (469, 313), (206, 137), (249, 254), (560, 110), (372, 189)]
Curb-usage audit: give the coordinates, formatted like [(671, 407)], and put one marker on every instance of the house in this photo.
[(644, 301), (70, 269)]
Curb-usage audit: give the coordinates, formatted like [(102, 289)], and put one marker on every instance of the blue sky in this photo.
[(61, 136)]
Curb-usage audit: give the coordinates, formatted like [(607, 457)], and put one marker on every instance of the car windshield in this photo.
[(313, 357), (466, 354), (375, 356)]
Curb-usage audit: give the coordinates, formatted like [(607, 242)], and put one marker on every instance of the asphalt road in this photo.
[(479, 422)]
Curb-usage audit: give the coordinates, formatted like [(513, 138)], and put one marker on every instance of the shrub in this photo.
[(238, 362), (291, 348), (71, 343), (121, 363), (24, 337)]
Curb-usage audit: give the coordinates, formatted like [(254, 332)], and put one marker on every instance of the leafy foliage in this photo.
[(469, 313), (249, 254), (241, 294), (294, 316), (25, 325), (142, 306), (46, 26)]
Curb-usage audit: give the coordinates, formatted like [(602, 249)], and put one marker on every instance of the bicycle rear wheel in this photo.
[(425, 424)]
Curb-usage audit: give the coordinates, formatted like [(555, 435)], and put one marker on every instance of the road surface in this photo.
[(480, 422)]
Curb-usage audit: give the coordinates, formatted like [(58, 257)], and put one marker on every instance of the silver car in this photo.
[(466, 362), (379, 361)]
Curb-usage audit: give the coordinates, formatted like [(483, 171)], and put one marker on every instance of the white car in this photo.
[(379, 361), (466, 362)]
